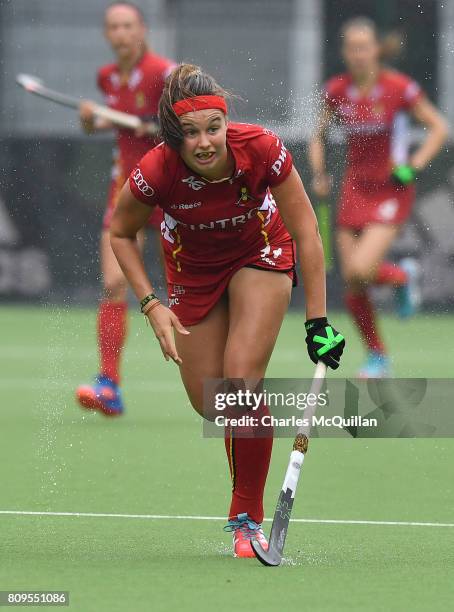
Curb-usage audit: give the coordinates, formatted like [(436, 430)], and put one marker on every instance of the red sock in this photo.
[(362, 311), (390, 274), (249, 460), (111, 336)]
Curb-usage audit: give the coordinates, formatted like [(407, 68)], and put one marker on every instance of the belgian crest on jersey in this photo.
[(140, 99), (245, 196)]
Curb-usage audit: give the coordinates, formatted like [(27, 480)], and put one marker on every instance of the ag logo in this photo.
[(142, 184), (193, 183)]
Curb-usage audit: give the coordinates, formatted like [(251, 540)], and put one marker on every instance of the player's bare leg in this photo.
[(242, 334), (258, 301), (104, 395), (211, 333), (362, 258)]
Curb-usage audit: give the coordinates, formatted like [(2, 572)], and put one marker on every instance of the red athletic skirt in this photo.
[(194, 291), (364, 203)]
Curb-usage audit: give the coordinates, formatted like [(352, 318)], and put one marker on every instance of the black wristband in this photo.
[(311, 323), (146, 300)]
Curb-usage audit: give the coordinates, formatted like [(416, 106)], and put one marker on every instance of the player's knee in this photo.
[(243, 368), (115, 288), (204, 406), (358, 273)]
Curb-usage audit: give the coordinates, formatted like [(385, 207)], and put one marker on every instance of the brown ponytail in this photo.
[(185, 81)]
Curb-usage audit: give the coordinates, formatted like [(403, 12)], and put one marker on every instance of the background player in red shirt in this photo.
[(377, 193), (132, 84), (233, 205)]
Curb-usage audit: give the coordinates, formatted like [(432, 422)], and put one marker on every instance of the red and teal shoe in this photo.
[(377, 365), (408, 296), (104, 396), (244, 530)]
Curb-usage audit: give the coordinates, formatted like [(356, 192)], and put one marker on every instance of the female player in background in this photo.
[(233, 205), (377, 192), (132, 84)]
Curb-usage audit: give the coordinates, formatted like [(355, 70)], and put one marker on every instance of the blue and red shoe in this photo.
[(244, 530), (104, 396), (408, 296), (377, 365)]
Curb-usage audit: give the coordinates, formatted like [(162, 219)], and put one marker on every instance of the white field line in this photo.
[(181, 517)]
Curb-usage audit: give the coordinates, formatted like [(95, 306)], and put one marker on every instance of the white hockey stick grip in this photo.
[(293, 472)]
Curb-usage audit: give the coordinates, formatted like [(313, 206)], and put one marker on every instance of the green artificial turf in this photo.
[(154, 461)]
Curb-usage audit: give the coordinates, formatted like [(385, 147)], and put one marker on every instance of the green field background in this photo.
[(153, 460)]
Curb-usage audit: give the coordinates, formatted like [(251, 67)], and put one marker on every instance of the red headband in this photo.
[(189, 105)]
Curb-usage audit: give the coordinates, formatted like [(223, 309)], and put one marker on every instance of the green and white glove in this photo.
[(324, 343), (403, 175)]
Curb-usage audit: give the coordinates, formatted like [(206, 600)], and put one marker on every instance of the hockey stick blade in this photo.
[(273, 556), (36, 86)]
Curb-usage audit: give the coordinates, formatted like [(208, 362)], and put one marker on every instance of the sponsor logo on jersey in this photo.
[(367, 128), (185, 206), (268, 206), (268, 252), (175, 296), (387, 210), (142, 184), (277, 166), (193, 183)]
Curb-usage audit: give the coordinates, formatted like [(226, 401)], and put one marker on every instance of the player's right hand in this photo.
[(87, 110), (321, 185), (164, 321)]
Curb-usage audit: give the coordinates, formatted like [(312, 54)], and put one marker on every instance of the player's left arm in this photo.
[(437, 132), (301, 223), (323, 341)]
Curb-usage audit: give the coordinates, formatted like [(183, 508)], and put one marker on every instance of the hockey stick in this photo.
[(324, 226), (36, 86), (279, 528)]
